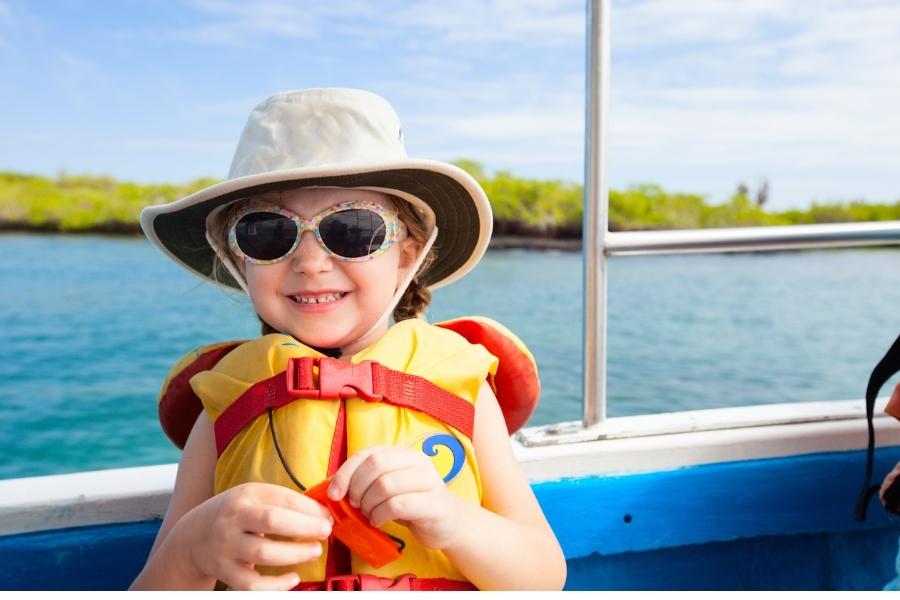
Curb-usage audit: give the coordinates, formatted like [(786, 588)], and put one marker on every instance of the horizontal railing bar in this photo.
[(704, 420), (751, 239)]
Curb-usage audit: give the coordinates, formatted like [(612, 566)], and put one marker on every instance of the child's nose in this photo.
[(310, 257)]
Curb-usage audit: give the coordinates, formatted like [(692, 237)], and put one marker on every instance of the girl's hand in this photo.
[(225, 536), (888, 480), (397, 483), (890, 477)]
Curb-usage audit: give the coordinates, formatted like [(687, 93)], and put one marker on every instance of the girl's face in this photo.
[(315, 296)]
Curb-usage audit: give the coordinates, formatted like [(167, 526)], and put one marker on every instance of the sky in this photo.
[(704, 94)]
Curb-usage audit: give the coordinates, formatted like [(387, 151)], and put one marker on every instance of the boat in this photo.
[(754, 497)]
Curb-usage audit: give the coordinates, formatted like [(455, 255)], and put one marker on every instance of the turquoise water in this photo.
[(90, 325)]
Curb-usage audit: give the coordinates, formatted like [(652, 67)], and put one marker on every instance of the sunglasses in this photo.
[(350, 231)]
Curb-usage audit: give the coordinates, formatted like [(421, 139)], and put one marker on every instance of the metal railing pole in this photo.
[(596, 210)]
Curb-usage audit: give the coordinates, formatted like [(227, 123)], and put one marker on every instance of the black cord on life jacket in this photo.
[(281, 454), (883, 371)]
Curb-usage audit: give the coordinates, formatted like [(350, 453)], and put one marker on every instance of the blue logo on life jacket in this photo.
[(432, 446)]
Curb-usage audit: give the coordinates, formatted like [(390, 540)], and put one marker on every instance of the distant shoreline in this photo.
[(527, 213), (498, 242)]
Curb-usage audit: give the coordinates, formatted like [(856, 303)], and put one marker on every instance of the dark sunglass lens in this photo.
[(353, 233), (265, 236)]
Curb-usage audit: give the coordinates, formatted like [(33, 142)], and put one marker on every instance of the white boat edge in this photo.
[(626, 445)]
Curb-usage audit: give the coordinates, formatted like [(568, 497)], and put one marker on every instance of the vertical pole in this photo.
[(596, 210)]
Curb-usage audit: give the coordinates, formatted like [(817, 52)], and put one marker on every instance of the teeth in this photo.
[(318, 299)]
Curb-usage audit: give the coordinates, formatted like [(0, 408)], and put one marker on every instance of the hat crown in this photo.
[(316, 128)]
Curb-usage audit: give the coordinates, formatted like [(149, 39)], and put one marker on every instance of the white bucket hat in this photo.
[(330, 138)]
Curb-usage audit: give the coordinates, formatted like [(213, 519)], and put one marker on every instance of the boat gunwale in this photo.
[(133, 494)]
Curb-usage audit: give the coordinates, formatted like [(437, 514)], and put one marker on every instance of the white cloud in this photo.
[(805, 90), (539, 22), (243, 23), (465, 21), (705, 94), (515, 126), (437, 67), (715, 90), (744, 86), (661, 23), (823, 40)]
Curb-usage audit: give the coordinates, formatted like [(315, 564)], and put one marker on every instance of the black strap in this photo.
[(883, 371)]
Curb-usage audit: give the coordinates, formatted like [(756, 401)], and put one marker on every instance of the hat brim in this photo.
[(461, 210)]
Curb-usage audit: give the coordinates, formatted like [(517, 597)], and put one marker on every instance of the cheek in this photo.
[(378, 277), (251, 276), (259, 282)]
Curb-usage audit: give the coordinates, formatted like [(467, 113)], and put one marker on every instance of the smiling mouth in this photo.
[(318, 298)]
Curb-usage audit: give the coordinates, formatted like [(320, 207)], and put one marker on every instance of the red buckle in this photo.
[(299, 378), (403, 583), (337, 379), (343, 583)]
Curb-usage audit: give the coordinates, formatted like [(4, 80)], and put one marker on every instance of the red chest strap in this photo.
[(365, 582), (337, 379)]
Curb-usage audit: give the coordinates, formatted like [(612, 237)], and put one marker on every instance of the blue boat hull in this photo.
[(769, 524)]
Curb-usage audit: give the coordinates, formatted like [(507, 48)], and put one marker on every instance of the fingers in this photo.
[(393, 483), (276, 495), (373, 492), (340, 481), (272, 509), (257, 550), (406, 507), (242, 576), (378, 465), (284, 522), (254, 549), (889, 479), (233, 531), (886, 484)]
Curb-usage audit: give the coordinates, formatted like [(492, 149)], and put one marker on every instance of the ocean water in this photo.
[(90, 325)]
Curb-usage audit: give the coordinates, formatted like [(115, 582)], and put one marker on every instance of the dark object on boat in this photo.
[(892, 498), (883, 371)]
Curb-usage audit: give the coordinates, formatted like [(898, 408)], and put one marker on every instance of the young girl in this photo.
[(330, 229)]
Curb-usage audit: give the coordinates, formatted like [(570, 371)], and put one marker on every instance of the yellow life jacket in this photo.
[(413, 360)]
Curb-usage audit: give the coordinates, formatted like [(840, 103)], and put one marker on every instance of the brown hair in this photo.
[(415, 298)]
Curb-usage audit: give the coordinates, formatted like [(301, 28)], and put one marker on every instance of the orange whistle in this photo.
[(353, 529)]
